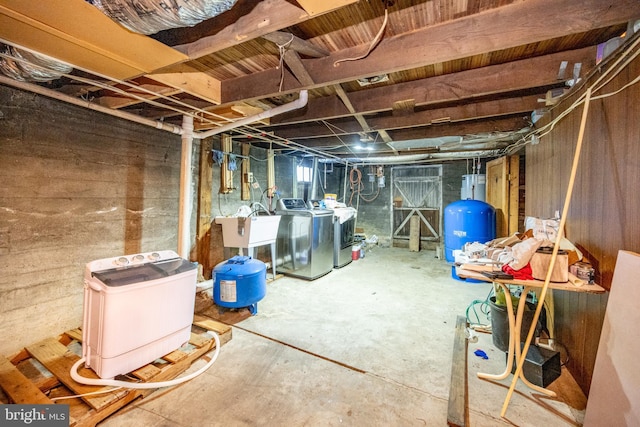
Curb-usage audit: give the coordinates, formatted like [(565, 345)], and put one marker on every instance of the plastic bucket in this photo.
[(355, 252), (500, 324)]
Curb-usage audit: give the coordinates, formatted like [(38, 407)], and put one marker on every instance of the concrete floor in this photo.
[(366, 345)]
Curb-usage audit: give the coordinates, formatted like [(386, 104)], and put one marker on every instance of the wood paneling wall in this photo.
[(603, 215)]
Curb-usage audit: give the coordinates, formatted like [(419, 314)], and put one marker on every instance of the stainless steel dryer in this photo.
[(343, 231), (305, 239)]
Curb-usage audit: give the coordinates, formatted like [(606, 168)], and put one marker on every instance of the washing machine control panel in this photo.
[(129, 260), (293, 204)]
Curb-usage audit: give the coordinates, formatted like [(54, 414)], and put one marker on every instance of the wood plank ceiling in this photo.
[(397, 81)]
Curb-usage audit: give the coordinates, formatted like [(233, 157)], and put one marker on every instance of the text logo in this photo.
[(34, 415)]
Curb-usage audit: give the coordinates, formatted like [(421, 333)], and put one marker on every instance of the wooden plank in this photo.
[(74, 31), (117, 100), (175, 356), (146, 373), (293, 61), (295, 43), (530, 22), (38, 375), (497, 193), (419, 131), (75, 334), (481, 110), (514, 195), (203, 226), (245, 190), (258, 19), (57, 359), (458, 409), (414, 233), (190, 80), (211, 325), (18, 387), (453, 87), (317, 7), (198, 340)]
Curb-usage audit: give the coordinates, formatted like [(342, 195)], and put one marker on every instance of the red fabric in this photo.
[(524, 273)]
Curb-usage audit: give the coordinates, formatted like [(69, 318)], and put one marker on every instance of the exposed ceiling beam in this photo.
[(293, 61), (75, 32), (465, 85), (289, 41), (467, 112), (318, 7), (517, 24), (189, 80), (116, 100), (359, 117), (475, 127), (245, 21)]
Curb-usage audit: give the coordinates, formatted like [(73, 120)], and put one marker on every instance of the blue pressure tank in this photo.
[(240, 282), (467, 221)]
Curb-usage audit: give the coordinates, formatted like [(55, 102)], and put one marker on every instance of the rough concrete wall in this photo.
[(76, 186)]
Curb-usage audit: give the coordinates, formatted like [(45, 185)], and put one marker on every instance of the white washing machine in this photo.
[(137, 308)]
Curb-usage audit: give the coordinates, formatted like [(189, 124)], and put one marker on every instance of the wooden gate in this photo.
[(416, 191)]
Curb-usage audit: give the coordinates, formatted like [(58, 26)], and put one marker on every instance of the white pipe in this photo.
[(298, 103), (138, 386), (91, 106), (184, 216)]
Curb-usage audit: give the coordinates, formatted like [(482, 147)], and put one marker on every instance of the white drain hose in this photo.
[(125, 384)]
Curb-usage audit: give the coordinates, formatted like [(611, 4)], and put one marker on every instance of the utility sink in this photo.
[(248, 232)]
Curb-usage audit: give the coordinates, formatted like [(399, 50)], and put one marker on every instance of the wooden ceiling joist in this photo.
[(472, 111), (189, 80), (257, 20), (75, 32), (505, 27), (318, 7)]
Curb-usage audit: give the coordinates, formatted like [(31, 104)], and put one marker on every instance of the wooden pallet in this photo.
[(41, 372)]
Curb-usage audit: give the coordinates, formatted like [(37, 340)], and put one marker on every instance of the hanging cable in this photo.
[(355, 180), (282, 49), (373, 44)]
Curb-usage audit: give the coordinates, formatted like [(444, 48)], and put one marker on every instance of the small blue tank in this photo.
[(467, 221), (240, 282)]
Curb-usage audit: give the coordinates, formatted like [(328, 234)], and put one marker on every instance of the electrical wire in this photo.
[(282, 49), (614, 69), (357, 186), (373, 44)]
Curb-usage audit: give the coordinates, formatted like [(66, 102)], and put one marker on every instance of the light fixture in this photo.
[(365, 137), (425, 142), (366, 81)]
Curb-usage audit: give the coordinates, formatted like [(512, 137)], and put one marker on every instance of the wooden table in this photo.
[(467, 271)]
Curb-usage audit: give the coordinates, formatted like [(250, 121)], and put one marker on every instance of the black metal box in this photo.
[(541, 367)]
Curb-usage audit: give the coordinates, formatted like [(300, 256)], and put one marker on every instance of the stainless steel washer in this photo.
[(305, 239)]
